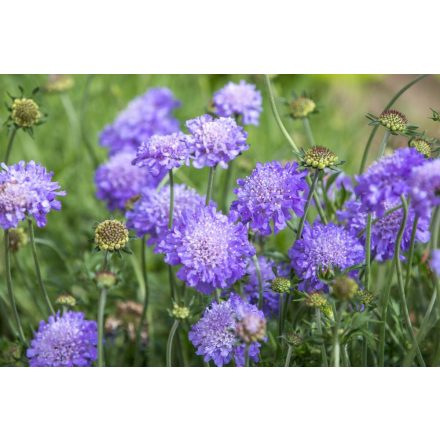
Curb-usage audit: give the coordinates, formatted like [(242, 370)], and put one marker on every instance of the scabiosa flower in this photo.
[(118, 181), (319, 157), (25, 112), (241, 99), (163, 152), (425, 187), (421, 145), (111, 236), (322, 248), (64, 341), (150, 214), (144, 116), (269, 194), (301, 107), (211, 248), (215, 141), (27, 189), (215, 336), (435, 261), (385, 228), (387, 179)]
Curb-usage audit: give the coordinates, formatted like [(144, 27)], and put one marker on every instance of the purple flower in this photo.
[(215, 335), (241, 99), (387, 179), (435, 261), (269, 194), (215, 141), (64, 341), (27, 189), (211, 248), (384, 229), (163, 152), (144, 116), (118, 180), (321, 248), (150, 214), (425, 187)]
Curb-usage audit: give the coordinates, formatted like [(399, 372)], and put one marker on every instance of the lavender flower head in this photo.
[(150, 214), (387, 179), (211, 248), (162, 152), (215, 141), (215, 336), (435, 261), (425, 187), (144, 116), (118, 180), (241, 99), (64, 341), (27, 189), (269, 194), (323, 247)]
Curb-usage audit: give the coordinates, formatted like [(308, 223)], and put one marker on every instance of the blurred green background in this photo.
[(93, 101)]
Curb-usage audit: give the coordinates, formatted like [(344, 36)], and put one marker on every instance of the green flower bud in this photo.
[(111, 235), (394, 121), (421, 145), (25, 112), (344, 288), (180, 312), (319, 157), (302, 107), (281, 285)]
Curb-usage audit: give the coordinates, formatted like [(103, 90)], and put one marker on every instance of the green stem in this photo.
[(288, 356), (306, 207), (10, 143), (400, 282), (368, 253), (384, 143), (246, 356), (37, 268), (373, 131), (170, 343), (10, 291), (210, 185), (319, 332), (260, 282), (101, 309), (411, 253), (384, 313), (308, 130), (226, 186), (336, 344), (170, 225)]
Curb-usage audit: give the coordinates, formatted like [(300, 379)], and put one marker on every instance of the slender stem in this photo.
[(170, 343), (37, 268), (373, 131), (288, 356), (280, 314), (246, 356), (384, 312), (336, 344), (170, 225), (368, 253), (101, 309), (400, 282), (384, 143), (10, 143), (227, 186), (10, 291), (411, 253), (308, 130), (306, 207), (319, 332), (210, 185), (260, 282)]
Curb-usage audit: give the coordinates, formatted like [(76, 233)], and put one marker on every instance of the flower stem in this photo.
[(384, 143), (336, 344), (306, 207), (288, 356), (210, 185), (319, 332), (10, 143), (260, 282), (246, 356), (170, 225), (37, 268), (10, 291), (170, 343), (400, 282), (384, 312), (226, 186), (101, 309), (308, 130), (368, 253), (411, 253)]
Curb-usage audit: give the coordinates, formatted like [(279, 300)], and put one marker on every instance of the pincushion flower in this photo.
[(144, 116), (387, 179), (118, 181), (150, 214), (64, 341), (215, 141), (162, 152), (435, 261), (269, 195), (216, 335), (27, 189), (322, 248), (241, 99), (425, 187), (211, 248)]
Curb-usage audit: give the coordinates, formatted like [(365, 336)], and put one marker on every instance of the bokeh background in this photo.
[(67, 143)]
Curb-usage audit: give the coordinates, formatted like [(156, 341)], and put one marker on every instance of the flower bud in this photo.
[(421, 145), (66, 299), (319, 157), (395, 121), (105, 279), (111, 235), (281, 285), (344, 288), (180, 312), (302, 107), (25, 112)]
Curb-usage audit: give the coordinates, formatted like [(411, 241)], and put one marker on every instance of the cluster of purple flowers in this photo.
[(269, 194), (425, 187), (64, 341), (215, 335), (27, 189)]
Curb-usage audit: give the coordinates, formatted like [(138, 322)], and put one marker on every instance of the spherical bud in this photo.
[(180, 312), (421, 145), (281, 285), (316, 300), (344, 288), (25, 112), (66, 299), (302, 107), (105, 279), (395, 121), (17, 239), (111, 235), (365, 297), (252, 328), (294, 339), (319, 157)]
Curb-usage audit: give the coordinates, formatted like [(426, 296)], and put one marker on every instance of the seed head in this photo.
[(252, 328), (421, 145), (319, 157), (302, 107), (17, 239), (281, 285), (344, 288), (25, 112), (180, 312), (111, 235), (395, 121), (317, 300), (66, 299)]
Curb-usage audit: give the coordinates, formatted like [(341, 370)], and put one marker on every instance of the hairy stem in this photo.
[(384, 143), (306, 207), (308, 130)]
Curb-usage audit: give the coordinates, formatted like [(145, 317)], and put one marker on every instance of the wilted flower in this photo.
[(66, 340), (111, 235), (269, 194)]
